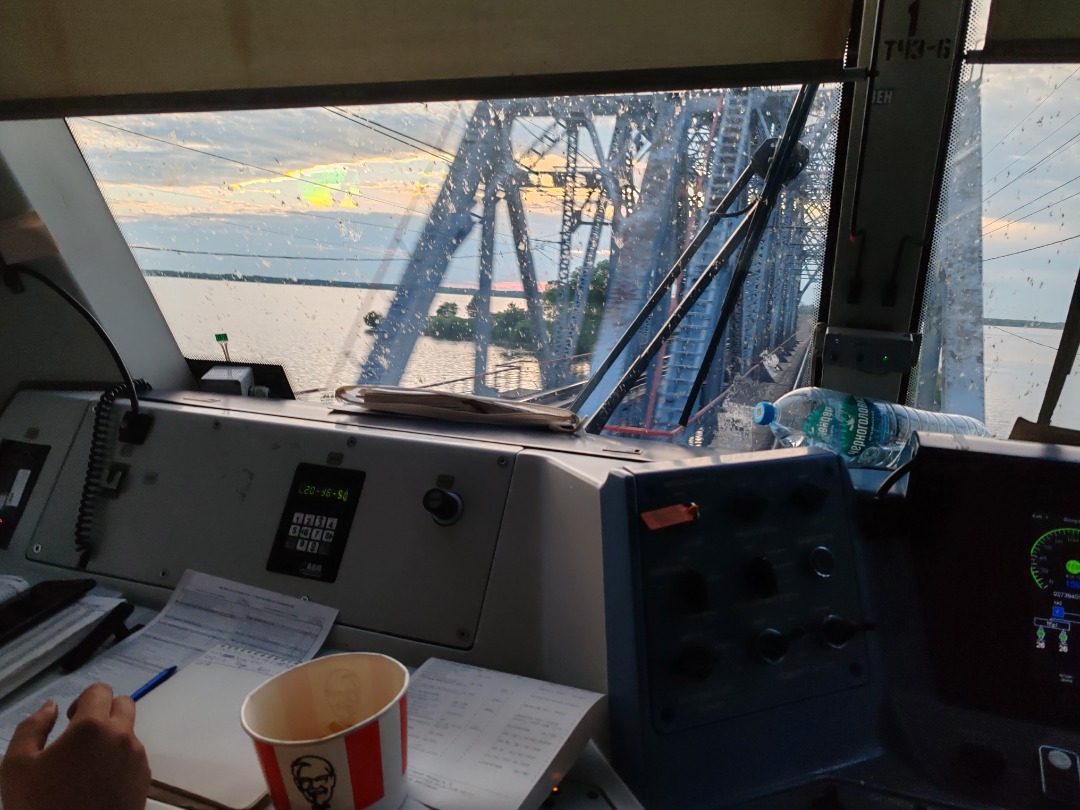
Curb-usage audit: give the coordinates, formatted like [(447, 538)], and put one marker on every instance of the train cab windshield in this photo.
[(508, 247), (659, 229), (501, 248)]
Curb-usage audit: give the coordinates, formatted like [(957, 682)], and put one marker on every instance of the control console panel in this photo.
[(744, 587)]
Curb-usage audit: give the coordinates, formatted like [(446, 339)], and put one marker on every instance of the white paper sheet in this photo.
[(11, 585), (204, 611), (486, 740), (190, 726), (38, 648)]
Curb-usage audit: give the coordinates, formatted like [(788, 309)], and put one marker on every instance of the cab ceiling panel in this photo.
[(59, 58), (1022, 31)]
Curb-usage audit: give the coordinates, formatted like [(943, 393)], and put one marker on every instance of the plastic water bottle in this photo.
[(865, 432)]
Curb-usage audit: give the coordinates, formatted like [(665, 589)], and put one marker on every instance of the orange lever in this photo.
[(667, 516)]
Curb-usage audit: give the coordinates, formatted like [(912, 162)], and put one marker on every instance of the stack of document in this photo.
[(38, 648), (477, 739), (203, 613), (486, 740)]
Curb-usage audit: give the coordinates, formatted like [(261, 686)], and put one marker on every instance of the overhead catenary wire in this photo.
[(1032, 112), (1037, 247), (222, 219), (342, 216), (1032, 149), (227, 159), (1029, 202), (225, 254), (1068, 144), (1021, 337), (1033, 213), (390, 133), (445, 122)]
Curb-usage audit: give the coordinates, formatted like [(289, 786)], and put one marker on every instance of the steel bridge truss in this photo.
[(692, 146)]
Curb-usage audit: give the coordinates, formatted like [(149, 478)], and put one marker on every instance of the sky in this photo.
[(346, 190), (342, 193), (1031, 189)]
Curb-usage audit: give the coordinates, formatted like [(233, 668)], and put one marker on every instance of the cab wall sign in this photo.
[(20, 466)]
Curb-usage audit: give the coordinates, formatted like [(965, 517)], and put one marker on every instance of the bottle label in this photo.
[(848, 429)]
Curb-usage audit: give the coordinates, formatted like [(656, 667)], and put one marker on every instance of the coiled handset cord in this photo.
[(95, 468), (135, 424)]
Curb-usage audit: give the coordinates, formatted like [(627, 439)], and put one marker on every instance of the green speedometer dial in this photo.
[(1055, 560)]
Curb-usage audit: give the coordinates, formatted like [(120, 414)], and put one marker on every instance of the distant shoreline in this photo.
[(1019, 324), (319, 282), (375, 285)]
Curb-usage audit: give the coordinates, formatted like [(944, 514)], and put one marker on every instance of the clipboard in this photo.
[(190, 727)]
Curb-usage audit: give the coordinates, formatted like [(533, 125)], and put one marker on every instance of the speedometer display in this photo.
[(1055, 560)]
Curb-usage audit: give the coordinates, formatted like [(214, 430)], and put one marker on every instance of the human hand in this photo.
[(96, 764)]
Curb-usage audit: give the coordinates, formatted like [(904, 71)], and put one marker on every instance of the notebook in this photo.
[(190, 727)]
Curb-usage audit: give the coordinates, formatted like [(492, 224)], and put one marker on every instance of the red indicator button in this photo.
[(667, 516)]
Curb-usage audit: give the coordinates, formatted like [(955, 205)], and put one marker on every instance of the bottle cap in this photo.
[(764, 413)]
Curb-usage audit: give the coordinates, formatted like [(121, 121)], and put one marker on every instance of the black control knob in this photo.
[(444, 506), (690, 593), (822, 561), (693, 663), (838, 631), (772, 645), (760, 578)]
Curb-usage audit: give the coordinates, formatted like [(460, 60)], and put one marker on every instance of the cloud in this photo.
[(208, 147), (1031, 180)]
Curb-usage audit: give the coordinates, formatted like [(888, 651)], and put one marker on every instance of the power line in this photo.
[(1034, 166), (1033, 213), (341, 217), (1029, 340), (439, 121), (1029, 202), (441, 153), (247, 165), (293, 258), (221, 220), (1032, 149), (366, 124), (1026, 117), (263, 255), (1037, 247)]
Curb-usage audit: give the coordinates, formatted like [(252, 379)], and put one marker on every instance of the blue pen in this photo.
[(153, 683)]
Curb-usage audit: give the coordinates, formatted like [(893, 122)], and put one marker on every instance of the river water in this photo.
[(317, 334), (1017, 367)]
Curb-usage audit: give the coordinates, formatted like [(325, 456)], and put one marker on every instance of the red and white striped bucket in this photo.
[(330, 734)]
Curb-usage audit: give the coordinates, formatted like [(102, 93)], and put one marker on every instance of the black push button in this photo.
[(822, 561), (444, 506)]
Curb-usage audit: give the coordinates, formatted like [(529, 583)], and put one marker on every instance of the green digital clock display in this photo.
[(322, 491)]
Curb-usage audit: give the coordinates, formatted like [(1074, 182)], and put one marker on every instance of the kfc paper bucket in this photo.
[(330, 734)]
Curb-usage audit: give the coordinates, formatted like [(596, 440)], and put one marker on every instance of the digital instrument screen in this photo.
[(316, 521), (1055, 575), (996, 547)]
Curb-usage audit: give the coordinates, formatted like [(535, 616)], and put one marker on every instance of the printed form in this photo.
[(11, 585), (39, 648), (204, 611), (486, 740)]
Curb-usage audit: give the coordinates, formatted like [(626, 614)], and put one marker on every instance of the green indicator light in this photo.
[(1073, 566), (1064, 636), (885, 359), (1040, 633)]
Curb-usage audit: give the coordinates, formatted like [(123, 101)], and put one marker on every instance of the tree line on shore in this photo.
[(511, 328)]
